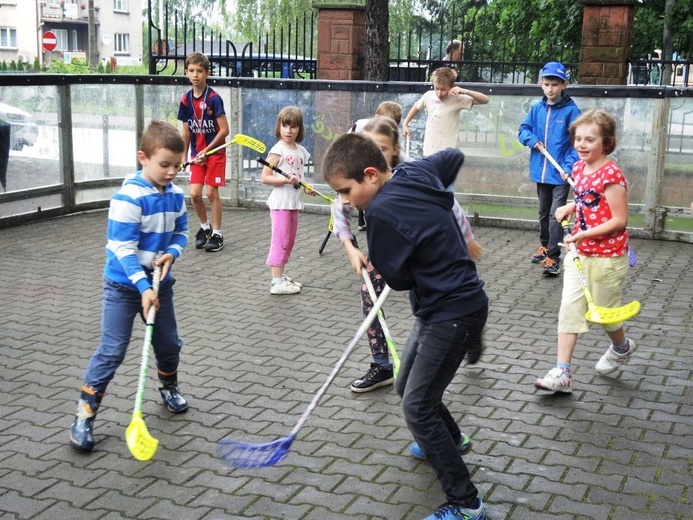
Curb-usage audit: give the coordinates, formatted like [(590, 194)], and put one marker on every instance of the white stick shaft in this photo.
[(553, 161), (357, 337), (156, 278), (374, 299)]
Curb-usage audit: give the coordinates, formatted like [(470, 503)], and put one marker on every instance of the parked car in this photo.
[(23, 130)]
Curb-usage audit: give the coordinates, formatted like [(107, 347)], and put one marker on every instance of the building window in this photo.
[(121, 43), (8, 37), (75, 40), (120, 5), (62, 36)]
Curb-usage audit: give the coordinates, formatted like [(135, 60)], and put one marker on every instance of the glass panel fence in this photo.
[(494, 182)]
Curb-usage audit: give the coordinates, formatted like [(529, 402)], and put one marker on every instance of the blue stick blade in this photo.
[(249, 456)]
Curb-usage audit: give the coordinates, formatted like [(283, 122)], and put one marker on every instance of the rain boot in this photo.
[(81, 432), (170, 393)]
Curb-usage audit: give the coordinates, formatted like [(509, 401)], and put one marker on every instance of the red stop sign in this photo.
[(49, 40)]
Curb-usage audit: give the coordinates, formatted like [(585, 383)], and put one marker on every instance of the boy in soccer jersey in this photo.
[(205, 127)]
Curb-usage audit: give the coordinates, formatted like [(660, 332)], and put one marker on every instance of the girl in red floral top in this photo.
[(601, 216)]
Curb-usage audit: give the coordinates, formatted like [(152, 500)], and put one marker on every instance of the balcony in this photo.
[(67, 12)]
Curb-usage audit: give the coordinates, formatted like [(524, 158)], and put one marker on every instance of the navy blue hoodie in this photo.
[(416, 244)]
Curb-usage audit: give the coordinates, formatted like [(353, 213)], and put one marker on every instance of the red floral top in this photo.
[(592, 209)]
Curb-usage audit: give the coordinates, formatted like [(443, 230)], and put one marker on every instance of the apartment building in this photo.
[(117, 25)]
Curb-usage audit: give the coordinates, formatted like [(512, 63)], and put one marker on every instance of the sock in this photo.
[(277, 281), (565, 367), (205, 226), (218, 232), (623, 348)]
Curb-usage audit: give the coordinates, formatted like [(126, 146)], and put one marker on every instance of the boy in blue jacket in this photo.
[(146, 217), (415, 243), (547, 125)]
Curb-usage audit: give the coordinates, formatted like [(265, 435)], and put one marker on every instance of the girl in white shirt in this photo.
[(285, 200)]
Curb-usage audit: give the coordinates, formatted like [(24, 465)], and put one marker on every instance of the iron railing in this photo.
[(490, 55)]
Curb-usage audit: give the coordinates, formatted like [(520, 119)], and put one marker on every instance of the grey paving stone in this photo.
[(618, 447)]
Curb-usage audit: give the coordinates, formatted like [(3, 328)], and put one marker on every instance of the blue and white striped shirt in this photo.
[(141, 223)]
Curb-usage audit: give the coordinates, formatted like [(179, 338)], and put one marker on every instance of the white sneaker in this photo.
[(611, 359), (556, 381), (286, 287), (291, 280)]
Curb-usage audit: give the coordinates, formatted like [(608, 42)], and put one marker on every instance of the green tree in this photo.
[(264, 22), (651, 22)]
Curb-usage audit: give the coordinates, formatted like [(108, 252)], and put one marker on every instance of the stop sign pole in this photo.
[(49, 41)]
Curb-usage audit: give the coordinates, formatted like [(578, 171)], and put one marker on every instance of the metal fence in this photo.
[(281, 54), (489, 56)]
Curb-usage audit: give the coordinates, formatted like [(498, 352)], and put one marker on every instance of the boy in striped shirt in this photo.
[(147, 226)]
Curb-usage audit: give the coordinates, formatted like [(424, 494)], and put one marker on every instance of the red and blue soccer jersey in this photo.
[(200, 114)]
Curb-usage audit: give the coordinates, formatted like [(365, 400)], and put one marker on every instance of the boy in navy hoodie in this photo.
[(416, 244), (546, 125)]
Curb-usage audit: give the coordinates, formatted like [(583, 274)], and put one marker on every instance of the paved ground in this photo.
[(620, 447)]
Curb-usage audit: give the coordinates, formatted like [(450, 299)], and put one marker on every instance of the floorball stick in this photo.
[(140, 442), (553, 161), (243, 140), (392, 349), (330, 228), (245, 455), (595, 314), (301, 183)]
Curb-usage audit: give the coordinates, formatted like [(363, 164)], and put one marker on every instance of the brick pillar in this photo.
[(607, 34), (341, 39), (341, 50)]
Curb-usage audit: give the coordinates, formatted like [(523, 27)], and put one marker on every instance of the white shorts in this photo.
[(605, 277)]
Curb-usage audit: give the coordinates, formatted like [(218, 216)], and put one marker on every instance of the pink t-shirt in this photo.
[(592, 209)]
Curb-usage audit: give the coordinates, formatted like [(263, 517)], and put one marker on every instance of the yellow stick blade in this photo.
[(605, 316), (249, 142), (141, 444)]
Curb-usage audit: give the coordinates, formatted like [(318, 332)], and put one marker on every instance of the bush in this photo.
[(59, 67)]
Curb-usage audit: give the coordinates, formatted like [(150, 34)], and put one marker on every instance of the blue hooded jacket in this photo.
[(415, 242), (549, 124)]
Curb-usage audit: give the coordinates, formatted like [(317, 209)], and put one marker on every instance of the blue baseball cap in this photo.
[(555, 69)]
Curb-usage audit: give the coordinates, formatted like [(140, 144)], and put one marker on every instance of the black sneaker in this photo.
[(552, 266), (215, 243), (540, 255), (376, 377), (202, 237)]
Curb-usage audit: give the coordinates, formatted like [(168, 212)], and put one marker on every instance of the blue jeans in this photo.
[(121, 304), (551, 197), (431, 358)]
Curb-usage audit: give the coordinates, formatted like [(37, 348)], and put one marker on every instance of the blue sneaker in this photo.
[(454, 511), (464, 447)]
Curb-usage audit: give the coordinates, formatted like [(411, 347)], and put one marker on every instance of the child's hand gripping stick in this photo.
[(300, 184), (553, 161), (243, 140)]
